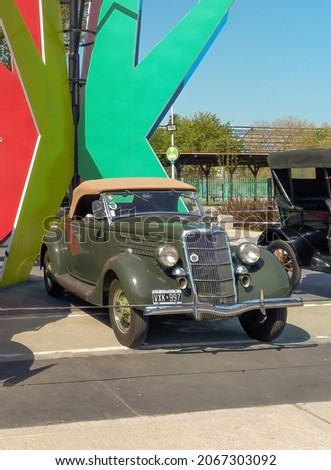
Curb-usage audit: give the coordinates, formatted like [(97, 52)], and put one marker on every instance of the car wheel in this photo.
[(286, 255), (129, 324), (52, 287), (264, 327)]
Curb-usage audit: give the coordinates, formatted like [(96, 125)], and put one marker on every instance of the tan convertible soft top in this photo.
[(98, 186)]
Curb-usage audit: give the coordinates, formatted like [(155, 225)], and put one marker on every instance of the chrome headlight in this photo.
[(167, 255), (248, 253)]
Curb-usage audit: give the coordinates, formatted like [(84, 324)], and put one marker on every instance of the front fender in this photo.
[(138, 277), (269, 275)]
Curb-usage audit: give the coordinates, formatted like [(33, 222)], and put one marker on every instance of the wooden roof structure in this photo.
[(206, 161)]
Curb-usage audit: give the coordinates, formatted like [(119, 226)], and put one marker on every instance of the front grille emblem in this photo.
[(194, 258)]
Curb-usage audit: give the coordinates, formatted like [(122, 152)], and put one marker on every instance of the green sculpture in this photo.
[(123, 103), (45, 82), (125, 100)]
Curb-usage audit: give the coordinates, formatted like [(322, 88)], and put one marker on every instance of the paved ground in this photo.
[(68, 384), (284, 427)]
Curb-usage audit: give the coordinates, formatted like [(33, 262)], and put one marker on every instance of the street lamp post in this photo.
[(173, 151)]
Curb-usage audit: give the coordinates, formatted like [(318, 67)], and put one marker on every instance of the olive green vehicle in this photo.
[(143, 247)]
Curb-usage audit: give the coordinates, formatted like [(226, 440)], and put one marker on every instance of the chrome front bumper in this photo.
[(198, 309)]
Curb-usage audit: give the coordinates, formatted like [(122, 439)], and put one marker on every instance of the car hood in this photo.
[(172, 225)]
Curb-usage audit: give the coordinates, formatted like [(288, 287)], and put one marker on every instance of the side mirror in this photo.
[(98, 210)]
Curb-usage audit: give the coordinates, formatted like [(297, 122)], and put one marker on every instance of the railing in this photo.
[(215, 190)]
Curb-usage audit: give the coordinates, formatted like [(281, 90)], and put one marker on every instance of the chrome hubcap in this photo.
[(122, 311)]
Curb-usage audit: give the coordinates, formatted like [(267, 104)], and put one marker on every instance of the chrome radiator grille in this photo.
[(211, 266)]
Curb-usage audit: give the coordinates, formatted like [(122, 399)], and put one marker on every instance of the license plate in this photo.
[(162, 297)]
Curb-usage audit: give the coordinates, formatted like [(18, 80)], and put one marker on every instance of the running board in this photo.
[(75, 286)]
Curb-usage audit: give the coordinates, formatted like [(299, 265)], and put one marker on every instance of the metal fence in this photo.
[(215, 190)]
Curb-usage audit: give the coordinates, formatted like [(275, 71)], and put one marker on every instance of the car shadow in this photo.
[(165, 333), (15, 372), (172, 332), (24, 307), (314, 286), (224, 335)]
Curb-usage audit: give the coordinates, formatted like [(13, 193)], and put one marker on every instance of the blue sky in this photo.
[(272, 60)]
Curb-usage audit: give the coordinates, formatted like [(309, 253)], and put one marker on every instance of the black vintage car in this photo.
[(302, 181)]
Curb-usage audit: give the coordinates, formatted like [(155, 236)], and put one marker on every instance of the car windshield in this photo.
[(127, 203)]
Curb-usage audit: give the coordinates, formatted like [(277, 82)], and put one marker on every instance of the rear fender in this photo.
[(53, 243)]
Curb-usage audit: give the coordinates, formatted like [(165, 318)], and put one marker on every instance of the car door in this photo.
[(87, 248), (77, 252)]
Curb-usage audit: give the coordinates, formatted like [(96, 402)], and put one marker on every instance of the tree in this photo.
[(203, 132), (319, 137), (287, 134), (82, 12), (5, 58)]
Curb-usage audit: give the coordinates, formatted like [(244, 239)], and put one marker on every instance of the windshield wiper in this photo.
[(127, 191)]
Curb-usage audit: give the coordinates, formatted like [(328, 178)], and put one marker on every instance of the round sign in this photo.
[(172, 153)]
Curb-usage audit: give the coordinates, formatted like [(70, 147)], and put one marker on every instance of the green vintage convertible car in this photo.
[(144, 246)]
